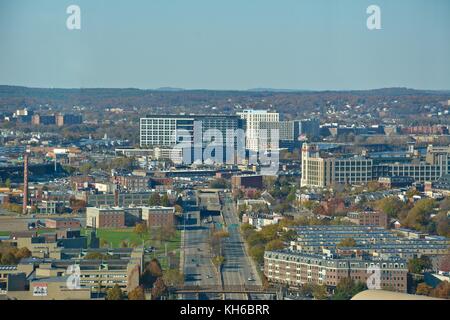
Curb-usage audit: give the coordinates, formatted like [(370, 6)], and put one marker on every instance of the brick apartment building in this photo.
[(369, 218), (105, 217), (62, 223), (247, 181), (158, 216), (133, 183), (295, 268)]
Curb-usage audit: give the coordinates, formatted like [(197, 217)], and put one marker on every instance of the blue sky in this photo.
[(226, 44)]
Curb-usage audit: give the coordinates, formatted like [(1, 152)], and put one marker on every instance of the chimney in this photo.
[(25, 184)]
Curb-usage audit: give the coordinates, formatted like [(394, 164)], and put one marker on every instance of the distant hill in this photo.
[(290, 102)]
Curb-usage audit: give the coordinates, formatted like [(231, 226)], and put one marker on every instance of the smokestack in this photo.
[(116, 197), (25, 184)]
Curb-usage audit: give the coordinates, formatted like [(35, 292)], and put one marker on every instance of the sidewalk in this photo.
[(182, 253)]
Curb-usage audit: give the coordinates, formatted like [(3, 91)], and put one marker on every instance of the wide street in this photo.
[(238, 269), (198, 268)]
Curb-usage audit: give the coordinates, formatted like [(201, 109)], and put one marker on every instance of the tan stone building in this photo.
[(47, 279)]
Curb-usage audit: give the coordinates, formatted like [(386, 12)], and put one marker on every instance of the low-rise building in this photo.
[(396, 182), (105, 217), (296, 268), (247, 181), (370, 239), (48, 279), (47, 207), (158, 216), (133, 183), (259, 220), (62, 223), (369, 218)]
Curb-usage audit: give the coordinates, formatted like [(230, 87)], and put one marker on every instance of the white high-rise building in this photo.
[(254, 120)]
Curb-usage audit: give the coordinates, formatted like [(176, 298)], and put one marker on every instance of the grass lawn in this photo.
[(4, 233), (116, 236)]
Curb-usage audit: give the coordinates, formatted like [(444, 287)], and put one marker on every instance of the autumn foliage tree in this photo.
[(442, 290), (173, 277), (137, 293), (423, 289), (159, 289), (346, 243), (419, 216), (10, 255), (114, 293), (140, 229), (152, 271)]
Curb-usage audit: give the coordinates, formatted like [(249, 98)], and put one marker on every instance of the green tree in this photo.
[(104, 243), (306, 290), (347, 288), (141, 229), (257, 253), (8, 183), (218, 261), (319, 292), (392, 206), (86, 168), (219, 183), (115, 293), (442, 224), (275, 244), (419, 265), (419, 216), (165, 200), (269, 232), (289, 235)]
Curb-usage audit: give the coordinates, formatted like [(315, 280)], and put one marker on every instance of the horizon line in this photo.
[(257, 89)]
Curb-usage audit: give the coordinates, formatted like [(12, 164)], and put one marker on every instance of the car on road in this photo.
[(250, 279)]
